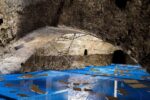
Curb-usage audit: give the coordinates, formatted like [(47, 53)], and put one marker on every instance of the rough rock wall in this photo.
[(68, 51), (122, 22), (62, 62), (73, 50), (18, 17)]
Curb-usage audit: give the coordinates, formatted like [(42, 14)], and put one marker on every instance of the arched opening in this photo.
[(121, 4), (119, 57), (1, 21), (85, 52)]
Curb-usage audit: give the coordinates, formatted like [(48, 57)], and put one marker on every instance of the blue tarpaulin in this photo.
[(115, 70), (113, 82)]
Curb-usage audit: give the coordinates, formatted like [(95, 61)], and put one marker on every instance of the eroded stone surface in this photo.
[(126, 25), (22, 16), (12, 61), (68, 51)]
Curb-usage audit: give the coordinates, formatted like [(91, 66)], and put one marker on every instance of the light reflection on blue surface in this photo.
[(61, 86), (116, 71)]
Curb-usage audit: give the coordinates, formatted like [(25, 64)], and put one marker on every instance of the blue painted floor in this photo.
[(114, 82)]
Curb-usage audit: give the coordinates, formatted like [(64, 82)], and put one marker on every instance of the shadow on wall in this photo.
[(145, 62), (38, 15), (121, 4), (1, 21), (119, 57)]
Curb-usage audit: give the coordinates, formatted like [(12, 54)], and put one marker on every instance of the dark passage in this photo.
[(1, 21), (121, 4), (85, 52), (119, 57)]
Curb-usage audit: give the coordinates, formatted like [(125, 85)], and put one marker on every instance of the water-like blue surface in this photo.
[(116, 71), (90, 83)]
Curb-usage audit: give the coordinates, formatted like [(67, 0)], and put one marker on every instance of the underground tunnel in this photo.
[(119, 57)]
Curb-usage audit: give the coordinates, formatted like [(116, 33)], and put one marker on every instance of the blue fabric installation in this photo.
[(122, 82), (115, 70)]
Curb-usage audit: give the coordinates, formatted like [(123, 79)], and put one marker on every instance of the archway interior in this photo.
[(1, 21), (119, 57)]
